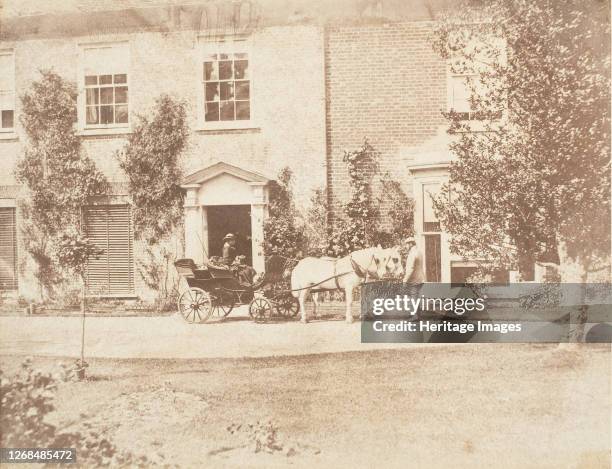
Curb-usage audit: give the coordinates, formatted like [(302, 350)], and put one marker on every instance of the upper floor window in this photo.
[(7, 91), (106, 99), (105, 82), (460, 94), (226, 83), (227, 87)]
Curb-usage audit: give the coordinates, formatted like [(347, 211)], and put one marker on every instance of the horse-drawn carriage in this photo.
[(214, 291)]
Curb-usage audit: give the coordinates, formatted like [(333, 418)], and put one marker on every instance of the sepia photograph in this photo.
[(305, 233)]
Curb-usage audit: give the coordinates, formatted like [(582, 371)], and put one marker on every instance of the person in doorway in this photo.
[(229, 249)]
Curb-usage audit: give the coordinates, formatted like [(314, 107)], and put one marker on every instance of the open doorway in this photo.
[(224, 219)]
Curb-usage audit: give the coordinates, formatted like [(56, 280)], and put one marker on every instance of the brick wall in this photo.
[(384, 82)]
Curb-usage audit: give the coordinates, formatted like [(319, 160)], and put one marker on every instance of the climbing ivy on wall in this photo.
[(357, 229), (151, 161), (60, 180)]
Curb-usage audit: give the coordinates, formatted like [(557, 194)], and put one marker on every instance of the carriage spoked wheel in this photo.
[(287, 305), (195, 305), (222, 304), (260, 309)]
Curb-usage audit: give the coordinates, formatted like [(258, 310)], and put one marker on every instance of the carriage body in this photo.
[(214, 291)]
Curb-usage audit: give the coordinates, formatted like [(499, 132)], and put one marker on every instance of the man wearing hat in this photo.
[(229, 249)]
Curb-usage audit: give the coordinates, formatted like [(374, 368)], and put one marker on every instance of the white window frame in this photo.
[(229, 44), (451, 92), (101, 129), (10, 131)]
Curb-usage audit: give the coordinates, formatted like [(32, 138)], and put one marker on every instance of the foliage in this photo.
[(282, 235), (400, 212), (157, 271), (74, 249), (316, 224), (60, 179), (535, 184), (151, 160), (27, 399), (356, 230)]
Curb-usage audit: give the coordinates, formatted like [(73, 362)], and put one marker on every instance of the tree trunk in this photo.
[(81, 367)]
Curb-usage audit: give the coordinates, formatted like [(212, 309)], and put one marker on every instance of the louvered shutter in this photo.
[(110, 229), (8, 249)]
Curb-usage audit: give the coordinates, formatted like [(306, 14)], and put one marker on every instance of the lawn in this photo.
[(479, 405)]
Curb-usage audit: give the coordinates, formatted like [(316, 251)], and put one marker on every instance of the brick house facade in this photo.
[(285, 92)]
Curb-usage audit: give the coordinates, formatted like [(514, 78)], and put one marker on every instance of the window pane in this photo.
[(121, 78), (92, 115), (106, 115), (212, 112), (461, 94), (211, 71), (225, 70), (242, 90), (224, 56), (106, 79), (91, 80), (121, 114), (227, 111), (7, 119), (430, 221), (243, 110), (241, 68), (106, 95), (92, 96), (240, 55), (227, 90), (121, 95), (212, 91)]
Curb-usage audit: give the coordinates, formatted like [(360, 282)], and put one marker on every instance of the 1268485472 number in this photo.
[(37, 455)]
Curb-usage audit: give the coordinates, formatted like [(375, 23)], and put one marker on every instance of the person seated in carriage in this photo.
[(229, 249), (243, 272)]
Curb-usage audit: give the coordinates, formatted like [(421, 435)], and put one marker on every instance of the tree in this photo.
[(534, 184)]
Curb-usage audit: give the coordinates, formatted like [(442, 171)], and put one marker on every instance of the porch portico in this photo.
[(223, 184)]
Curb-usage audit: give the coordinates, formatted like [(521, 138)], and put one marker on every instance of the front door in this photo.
[(224, 219)]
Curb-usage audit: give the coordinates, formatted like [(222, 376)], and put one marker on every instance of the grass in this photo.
[(462, 406)]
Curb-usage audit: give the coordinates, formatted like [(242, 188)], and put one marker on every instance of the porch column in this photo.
[(257, 220), (193, 226)]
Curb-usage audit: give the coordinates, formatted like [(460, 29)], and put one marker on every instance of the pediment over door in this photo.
[(225, 184)]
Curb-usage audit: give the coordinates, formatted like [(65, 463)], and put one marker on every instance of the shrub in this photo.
[(282, 235), (357, 229), (27, 399)]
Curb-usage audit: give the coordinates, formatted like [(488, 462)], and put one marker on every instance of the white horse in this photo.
[(327, 273)]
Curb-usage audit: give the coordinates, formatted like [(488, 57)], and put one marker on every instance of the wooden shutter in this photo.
[(110, 229), (8, 249)]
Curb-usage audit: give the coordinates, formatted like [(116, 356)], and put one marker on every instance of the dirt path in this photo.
[(171, 337)]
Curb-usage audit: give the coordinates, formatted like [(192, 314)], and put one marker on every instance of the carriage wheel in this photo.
[(260, 309), (195, 305), (222, 304), (286, 305)]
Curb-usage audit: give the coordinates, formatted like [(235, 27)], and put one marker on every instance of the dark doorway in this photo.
[(224, 219)]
